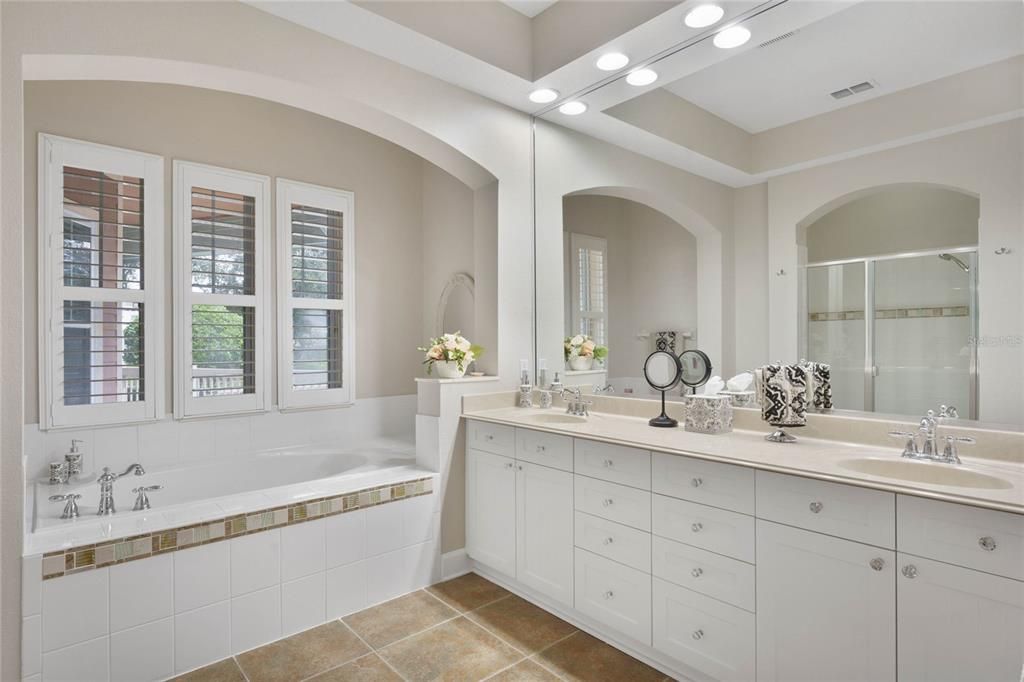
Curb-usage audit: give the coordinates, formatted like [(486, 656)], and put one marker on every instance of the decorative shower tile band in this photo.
[(892, 314), (121, 550)]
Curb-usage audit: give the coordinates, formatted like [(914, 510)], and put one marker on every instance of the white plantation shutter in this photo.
[(315, 227), (100, 249), (589, 286), (222, 253)]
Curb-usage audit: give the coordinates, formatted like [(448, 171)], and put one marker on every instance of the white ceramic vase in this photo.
[(449, 369), (581, 363)]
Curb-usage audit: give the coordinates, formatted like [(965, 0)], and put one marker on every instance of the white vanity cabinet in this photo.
[(826, 607), (723, 572)]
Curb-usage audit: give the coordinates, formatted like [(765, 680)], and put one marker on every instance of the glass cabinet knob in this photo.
[(698, 634), (816, 507), (877, 564), (909, 571), (987, 543), (696, 481), (697, 527), (697, 572)]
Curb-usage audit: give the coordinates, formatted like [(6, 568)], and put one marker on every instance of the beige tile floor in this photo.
[(461, 630)]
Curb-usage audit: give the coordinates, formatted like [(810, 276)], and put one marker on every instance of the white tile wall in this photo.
[(202, 576), (141, 591), (165, 615), (167, 443), (202, 636), (85, 662), (302, 549), (255, 619), (345, 537), (31, 585), (303, 603), (31, 645), (385, 530), (75, 609), (144, 653), (255, 562)]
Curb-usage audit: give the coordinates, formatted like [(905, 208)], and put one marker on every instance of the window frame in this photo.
[(584, 241), (54, 153), (189, 174), (289, 192)]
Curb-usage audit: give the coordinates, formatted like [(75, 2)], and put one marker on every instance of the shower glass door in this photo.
[(897, 330), (924, 319)]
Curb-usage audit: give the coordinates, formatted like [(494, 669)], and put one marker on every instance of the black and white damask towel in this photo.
[(819, 385), (783, 393)]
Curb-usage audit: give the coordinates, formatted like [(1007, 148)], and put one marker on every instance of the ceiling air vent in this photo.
[(853, 90), (778, 39)]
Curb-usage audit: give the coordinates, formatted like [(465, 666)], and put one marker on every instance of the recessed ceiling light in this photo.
[(544, 95), (734, 36), (612, 61), (642, 77), (702, 16), (574, 108)]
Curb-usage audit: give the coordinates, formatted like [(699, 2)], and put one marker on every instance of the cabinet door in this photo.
[(491, 510), (826, 608), (958, 624), (544, 530)]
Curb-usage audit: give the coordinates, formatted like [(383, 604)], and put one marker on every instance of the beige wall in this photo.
[(895, 220), (652, 273), (405, 206)]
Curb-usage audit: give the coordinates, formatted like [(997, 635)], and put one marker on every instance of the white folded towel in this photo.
[(740, 382), (714, 385)]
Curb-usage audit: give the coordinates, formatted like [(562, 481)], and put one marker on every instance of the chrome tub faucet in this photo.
[(106, 481)]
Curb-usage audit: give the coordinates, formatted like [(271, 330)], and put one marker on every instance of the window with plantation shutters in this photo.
[(101, 256), (221, 220), (315, 255), (589, 286)]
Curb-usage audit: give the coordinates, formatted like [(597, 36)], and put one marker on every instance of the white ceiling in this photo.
[(896, 44), (530, 8)]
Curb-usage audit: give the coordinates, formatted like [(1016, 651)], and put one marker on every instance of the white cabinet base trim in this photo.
[(455, 563), (637, 650)]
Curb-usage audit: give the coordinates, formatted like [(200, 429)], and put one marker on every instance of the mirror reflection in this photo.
[(843, 189)]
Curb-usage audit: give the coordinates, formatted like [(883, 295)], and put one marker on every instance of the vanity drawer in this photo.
[(703, 633), (716, 530), (614, 541), (987, 540), (717, 576), (845, 511), (493, 438), (720, 485), (548, 449), (614, 502), (614, 463), (617, 596)]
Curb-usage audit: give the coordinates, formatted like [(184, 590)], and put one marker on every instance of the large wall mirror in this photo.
[(845, 186)]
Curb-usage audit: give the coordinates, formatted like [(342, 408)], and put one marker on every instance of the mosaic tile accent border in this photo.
[(892, 313), (117, 551)]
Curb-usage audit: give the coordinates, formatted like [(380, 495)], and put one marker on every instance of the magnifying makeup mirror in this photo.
[(662, 371), (694, 369)]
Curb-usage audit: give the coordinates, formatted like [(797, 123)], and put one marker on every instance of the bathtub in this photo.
[(226, 486)]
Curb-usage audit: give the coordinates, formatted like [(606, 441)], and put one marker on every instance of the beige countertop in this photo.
[(809, 457)]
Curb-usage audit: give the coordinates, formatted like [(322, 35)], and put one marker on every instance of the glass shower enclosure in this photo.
[(898, 330)]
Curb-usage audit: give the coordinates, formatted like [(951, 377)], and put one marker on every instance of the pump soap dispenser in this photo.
[(73, 458)]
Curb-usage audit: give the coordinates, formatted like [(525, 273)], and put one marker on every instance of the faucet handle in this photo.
[(910, 448), (71, 506), (142, 499), (950, 453)]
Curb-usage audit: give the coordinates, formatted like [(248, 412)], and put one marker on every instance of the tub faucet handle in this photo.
[(142, 499), (71, 506)]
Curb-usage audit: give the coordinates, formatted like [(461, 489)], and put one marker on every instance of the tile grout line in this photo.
[(373, 651), (238, 664), (538, 661)]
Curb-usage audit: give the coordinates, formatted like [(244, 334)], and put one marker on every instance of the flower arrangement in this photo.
[(581, 351), (451, 354)]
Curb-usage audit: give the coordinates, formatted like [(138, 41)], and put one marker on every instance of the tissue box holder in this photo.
[(740, 398), (707, 414)]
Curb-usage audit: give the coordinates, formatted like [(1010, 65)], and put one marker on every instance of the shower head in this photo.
[(953, 259)]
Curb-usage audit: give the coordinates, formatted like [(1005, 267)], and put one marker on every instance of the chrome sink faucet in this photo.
[(576, 405), (106, 481), (925, 443)]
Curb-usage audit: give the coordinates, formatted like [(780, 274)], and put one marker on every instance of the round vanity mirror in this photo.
[(694, 368), (662, 371)]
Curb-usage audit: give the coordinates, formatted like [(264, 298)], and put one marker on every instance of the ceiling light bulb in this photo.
[(543, 95), (642, 77), (734, 36), (612, 61), (702, 16), (574, 108)]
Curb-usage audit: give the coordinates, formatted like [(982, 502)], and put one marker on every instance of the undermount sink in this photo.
[(555, 418), (936, 473)]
